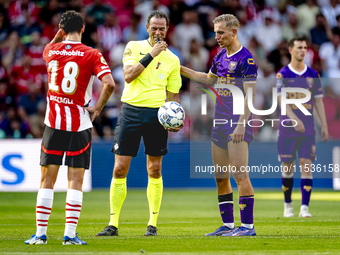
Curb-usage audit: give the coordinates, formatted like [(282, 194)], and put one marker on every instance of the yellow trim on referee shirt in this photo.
[(149, 88)]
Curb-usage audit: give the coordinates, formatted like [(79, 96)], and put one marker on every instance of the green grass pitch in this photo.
[(185, 216)]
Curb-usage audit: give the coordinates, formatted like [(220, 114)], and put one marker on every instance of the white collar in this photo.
[(71, 42), (296, 72), (234, 52)]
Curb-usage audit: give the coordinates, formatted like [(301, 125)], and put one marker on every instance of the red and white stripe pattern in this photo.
[(73, 209), (73, 118), (43, 210), (72, 213), (43, 214)]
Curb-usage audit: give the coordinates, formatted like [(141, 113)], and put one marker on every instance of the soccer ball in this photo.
[(171, 114)]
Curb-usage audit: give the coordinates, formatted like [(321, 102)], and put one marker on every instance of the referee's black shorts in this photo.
[(76, 146), (134, 123)]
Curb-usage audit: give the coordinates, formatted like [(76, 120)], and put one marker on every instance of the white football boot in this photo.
[(288, 210), (304, 212)]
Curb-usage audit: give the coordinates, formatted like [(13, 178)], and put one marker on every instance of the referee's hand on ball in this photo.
[(175, 129)]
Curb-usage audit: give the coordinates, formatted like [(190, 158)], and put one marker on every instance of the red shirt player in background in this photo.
[(71, 68)]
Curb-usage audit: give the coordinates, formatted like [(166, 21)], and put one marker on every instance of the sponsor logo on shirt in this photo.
[(66, 53), (68, 47)]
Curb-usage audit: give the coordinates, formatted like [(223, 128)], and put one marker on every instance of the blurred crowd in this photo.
[(265, 28)]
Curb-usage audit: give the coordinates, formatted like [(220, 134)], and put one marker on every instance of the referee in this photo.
[(150, 69)]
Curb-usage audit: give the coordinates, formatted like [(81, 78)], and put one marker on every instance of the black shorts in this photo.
[(76, 145), (134, 123)]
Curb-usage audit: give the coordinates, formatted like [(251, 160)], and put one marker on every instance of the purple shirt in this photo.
[(308, 79), (234, 70)]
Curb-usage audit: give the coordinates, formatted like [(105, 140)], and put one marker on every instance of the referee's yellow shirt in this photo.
[(149, 88)]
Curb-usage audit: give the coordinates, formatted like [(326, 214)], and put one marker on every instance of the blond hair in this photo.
[(230, 20)]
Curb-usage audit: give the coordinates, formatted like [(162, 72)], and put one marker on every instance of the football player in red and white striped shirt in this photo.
[(71, 68)]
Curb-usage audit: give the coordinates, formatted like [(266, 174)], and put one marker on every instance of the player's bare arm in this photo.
[(174, 97), (300, 127), (320, 108), (238, 134), (59, 36), (205, 78), (109, 86), (132, 72)]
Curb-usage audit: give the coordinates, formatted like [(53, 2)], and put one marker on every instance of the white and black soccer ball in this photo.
[(171, 114)]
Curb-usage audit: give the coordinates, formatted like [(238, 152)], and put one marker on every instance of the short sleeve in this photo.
[(174, 79), (213, 68), (279, 82), (317, 87), (45, 52), (100, 67), (130, 58), (249, 70)]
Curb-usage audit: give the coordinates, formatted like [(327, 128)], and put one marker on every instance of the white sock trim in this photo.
[(74, 195), (226, 202), (229, 225), (307, 177), (250, 226), (284, 175), (45, 193)]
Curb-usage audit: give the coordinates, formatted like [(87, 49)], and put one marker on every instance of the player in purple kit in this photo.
[(301, 138), (234, 65)]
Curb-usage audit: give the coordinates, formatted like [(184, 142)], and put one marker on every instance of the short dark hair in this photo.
[(158, 14), (297, 38), (71, 21)]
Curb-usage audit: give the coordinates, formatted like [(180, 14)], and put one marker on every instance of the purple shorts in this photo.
[(221, 136), (304, 145)]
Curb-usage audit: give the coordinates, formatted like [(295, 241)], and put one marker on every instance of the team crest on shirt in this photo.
[(127, 52), (102, 59), (310, 81), (232, 65), (68, 46)]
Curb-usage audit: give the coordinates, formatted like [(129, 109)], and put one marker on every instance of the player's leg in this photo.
[(44, 203), (306, 157), (118, 192), (287, 187), (74, 201), (154, 192), (238, 154), (287, 151), (306, 186), (224, 190), (52, 150), (77, 159), (126, 142), (156, 141)]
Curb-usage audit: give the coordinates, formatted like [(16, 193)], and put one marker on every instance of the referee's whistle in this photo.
[(158, 40)]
